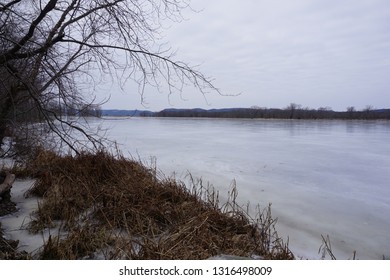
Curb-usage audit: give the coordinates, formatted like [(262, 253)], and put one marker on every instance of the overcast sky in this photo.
[(316, 53)]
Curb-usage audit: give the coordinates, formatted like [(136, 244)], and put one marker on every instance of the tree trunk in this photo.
[(2, 134), (6, 185), (5, 109)]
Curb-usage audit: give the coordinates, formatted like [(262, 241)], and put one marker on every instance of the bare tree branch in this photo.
[(46, 51), (8, 5)]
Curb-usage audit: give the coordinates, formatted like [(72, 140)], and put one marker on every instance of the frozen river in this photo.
[(322, 177)]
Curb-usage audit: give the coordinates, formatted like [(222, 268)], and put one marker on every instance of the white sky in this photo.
[(316, 53)]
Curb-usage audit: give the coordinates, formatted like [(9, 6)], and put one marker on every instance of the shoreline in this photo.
[(9, 246), (168, 220)]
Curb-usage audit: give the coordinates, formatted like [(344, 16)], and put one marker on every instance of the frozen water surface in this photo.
[(322, 177)]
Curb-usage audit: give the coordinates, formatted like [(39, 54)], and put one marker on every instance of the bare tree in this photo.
[(293, 108), (51, 49), (351, 112), (368, 112)]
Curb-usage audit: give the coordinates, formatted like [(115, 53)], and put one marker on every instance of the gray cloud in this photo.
[(316, 53)]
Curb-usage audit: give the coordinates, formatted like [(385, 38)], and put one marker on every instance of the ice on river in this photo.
[(321, 177)]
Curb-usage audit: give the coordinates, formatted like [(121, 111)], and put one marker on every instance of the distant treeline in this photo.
[(293, 111)]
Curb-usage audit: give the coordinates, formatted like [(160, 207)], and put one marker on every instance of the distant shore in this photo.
[(291, 112)]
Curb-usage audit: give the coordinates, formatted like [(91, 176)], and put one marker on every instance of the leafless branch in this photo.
[(53, 44)]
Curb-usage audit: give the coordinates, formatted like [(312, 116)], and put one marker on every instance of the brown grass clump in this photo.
[(115, 208)]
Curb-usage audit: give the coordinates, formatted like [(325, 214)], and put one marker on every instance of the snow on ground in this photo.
[(15, 224)]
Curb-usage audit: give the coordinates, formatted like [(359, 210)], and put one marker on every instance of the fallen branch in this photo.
[(7, 184)]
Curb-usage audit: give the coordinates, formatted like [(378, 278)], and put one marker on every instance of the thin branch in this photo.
[(49, 7), (7, 6)]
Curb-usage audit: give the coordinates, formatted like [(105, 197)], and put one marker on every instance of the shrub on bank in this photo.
[(111, 207)]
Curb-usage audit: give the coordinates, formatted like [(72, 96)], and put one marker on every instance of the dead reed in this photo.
[(112, 207)]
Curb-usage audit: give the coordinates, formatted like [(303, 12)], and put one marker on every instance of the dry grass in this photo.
[(120, 209), (9, 251)]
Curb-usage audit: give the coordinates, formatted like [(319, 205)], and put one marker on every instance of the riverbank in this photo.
[(8, 247), (109, 207)]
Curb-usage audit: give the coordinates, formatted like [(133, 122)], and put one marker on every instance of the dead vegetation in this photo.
[(112, 207), (9, 249)]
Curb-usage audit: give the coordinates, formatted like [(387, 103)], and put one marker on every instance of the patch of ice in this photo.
[(15, 224)]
